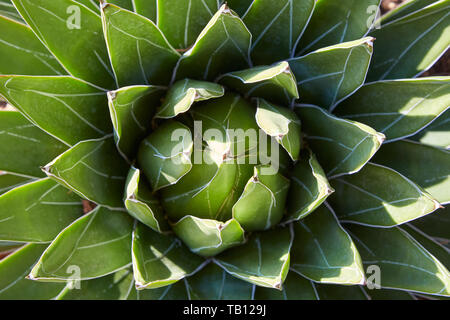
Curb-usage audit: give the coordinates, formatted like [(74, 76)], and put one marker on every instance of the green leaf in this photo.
[(14, 269), (240, 6), (146, 8), (95, 245), (222, 46), (65, 24), (387, 294), (23, 53), (309, 187), (282, 124), (176, 291), (327, 76), (261, 205), (142, 204), (339, 292), (323, 252), (380, 197), (404, 108), (139, 52), (274, 83), (427, 166), (408, 46), (203, 190), (405, 264), (18, 137), (67, 108), (266, 260), (37, 211), (295, 287), (213, 283), (335, 22), (436, 249), (343, 146), (165, 160), (438, 133), (116, 286), (208, 237), (96, 162), (405, 9), (91, 4), (7, 10), (126, 4), (132, 110), (182, 21), (184, 93), (160, 260), (276, 27), (10, 181), (437, 225)]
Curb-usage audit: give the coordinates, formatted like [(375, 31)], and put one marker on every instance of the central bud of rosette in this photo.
[(215, 163)]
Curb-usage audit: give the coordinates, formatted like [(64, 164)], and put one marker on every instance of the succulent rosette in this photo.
[(242, 150)]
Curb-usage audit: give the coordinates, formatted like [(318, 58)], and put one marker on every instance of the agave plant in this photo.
[(254, 149)]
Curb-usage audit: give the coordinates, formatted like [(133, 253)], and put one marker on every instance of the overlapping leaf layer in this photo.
[(335, 183)]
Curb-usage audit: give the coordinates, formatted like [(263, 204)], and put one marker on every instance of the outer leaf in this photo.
[(182, 21), (176, 291), (116, 286), (65, 107), (18, 137), (165, 160), (14, 269), (213, 283), (309, 188), (7, 10), (98, 244), (323, 252), (428, 166), (405, 9), (438, 133), (132, 109), (22, 52), (404, 108), (274, 83), (335, 22), (267, 258), (240, 6), (56, 24), (331, 74), (37, 211), (222, 46), (261, 205), (277, 27), (97, 162), (146, 8), (139, 52), (184, 93), (385, 294), (160, 260), (405, 263), (339, 292), (282, 124), (342, 146), (208, 237), (142, 204), (436, 249), (410, 45), (437, 225), (295, 288), (380, 197), (11, 181)]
